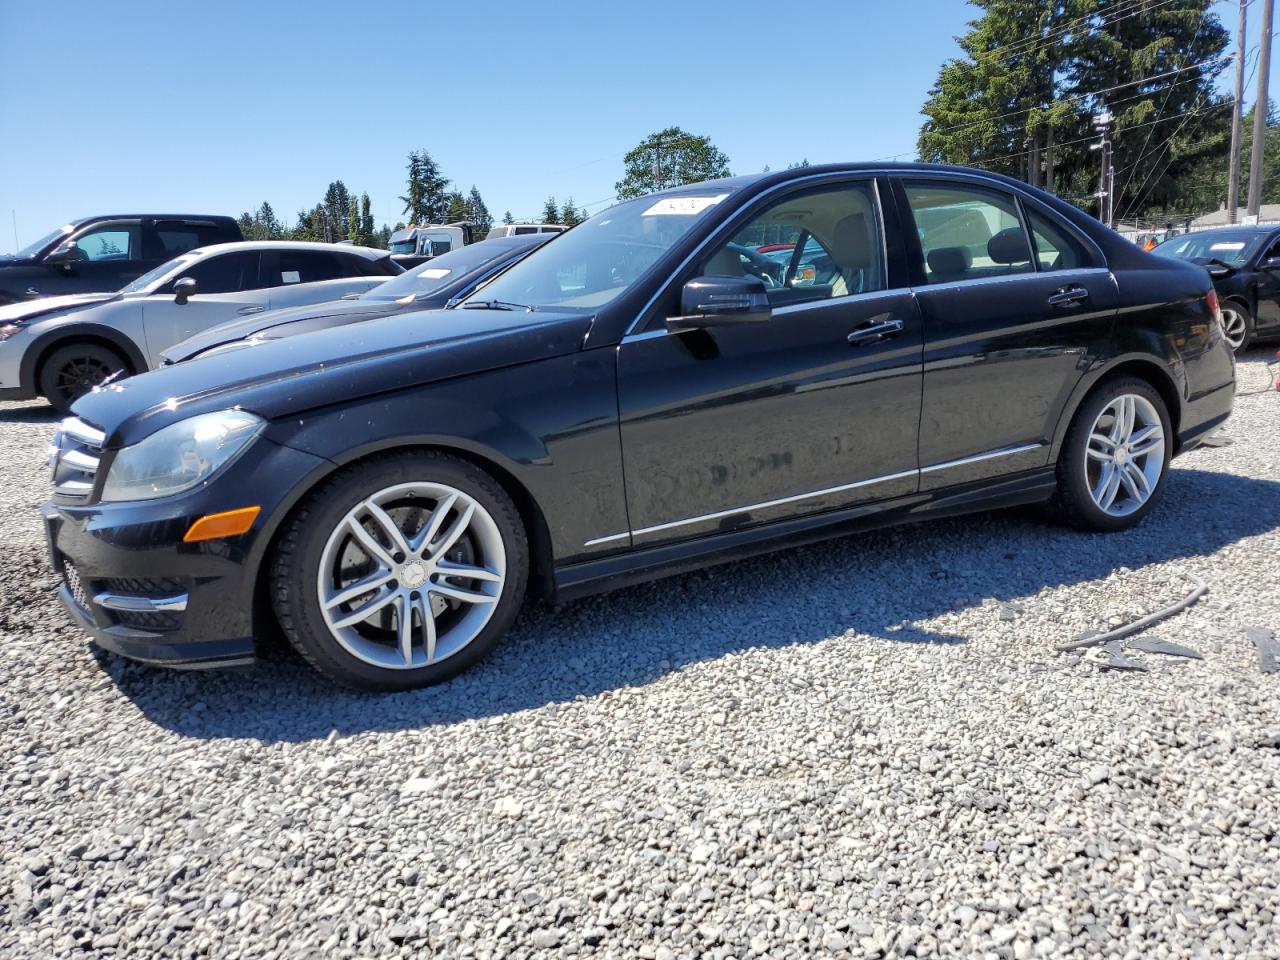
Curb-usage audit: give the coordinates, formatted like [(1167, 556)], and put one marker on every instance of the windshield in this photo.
[(1231, 248), (156, 273), (31, 249), (434, 275), (600, 258)]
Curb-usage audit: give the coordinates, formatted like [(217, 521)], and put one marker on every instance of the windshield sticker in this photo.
[(682, 206), (1228, 246), (435, 273), (290, 276)]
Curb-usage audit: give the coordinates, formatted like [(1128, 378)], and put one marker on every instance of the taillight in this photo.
[(1214, 306)]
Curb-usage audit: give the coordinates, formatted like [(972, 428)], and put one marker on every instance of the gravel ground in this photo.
[(863, 748)]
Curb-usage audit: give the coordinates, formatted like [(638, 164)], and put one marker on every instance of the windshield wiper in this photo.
[(495, 305)]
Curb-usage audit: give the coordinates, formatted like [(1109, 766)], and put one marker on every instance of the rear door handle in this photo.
[(1066, 296), (251, 309), (878, 328)]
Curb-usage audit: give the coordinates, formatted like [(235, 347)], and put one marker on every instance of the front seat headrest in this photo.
[(1008, 246), (851, 242), (949, 261)]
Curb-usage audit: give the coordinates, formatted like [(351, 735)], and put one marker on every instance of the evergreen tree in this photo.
[(508, 219), (367, 233), (670, 158), (337, 211), (570, 215), (455, 207), (1033, 74), (478, 213), (353, 222), (424, 201), (550, 212)]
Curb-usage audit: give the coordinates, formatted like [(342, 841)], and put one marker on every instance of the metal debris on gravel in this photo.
[(837, 751)]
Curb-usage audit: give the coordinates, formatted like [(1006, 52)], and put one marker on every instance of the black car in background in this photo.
[(102, 254), (1244, 263), (642, 396), (426, 286)]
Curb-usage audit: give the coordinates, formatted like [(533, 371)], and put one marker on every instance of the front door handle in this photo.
[(878, 328), (251, 309), (1066, 296)]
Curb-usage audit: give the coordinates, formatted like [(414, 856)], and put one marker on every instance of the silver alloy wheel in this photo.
[(1234, 329), (1125, 455), (411, 575)]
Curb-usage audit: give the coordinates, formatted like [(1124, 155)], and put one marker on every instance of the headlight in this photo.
[(180, 456), (7, 330)]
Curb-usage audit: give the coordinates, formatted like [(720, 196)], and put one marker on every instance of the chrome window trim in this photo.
[(1010, 277), (766, 504)]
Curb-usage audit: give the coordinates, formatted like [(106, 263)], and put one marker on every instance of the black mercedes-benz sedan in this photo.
[(429, 285), (1244, 263), (643, 396)]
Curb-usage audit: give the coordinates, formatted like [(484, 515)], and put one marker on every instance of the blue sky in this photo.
[(214, 107)]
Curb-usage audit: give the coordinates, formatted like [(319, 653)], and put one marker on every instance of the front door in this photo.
[(104, 258), (1008, 330), (1267, 317), (737, 425), (226, 289)]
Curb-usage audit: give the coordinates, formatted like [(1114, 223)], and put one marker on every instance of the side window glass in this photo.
[(809, 246), (304, 266), (109, 241), (967, 232), (1056, 249), (229, 273)]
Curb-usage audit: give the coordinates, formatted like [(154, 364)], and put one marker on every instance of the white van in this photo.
[(520, 229)]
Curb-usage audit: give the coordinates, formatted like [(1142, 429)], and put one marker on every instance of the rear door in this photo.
[(299, 277), (1015, 303), (809, 411), (227, 289)]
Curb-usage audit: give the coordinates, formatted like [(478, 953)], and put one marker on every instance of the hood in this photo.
[(30, 309), (262, 324), (279, 378)]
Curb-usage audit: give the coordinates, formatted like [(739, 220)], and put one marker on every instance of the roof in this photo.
[(370, 253), (80, 221), (1220, 218)]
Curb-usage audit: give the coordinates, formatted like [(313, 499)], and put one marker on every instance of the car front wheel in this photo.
[(1113, 462), (1237, 324), (73, 370), (401, 572)]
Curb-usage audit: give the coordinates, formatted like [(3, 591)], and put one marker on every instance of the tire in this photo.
[(321, 556), (1080, 471), (74, 369), (1237, 325)]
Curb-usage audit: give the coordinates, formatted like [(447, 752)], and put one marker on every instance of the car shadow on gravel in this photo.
[(34, 412), (881, 585)]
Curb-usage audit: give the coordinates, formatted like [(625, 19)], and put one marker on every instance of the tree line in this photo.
[(1022, 99)]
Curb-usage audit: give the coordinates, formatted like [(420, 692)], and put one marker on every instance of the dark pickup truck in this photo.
[(102, 254)]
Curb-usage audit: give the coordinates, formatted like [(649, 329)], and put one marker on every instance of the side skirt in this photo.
[(652, 563)]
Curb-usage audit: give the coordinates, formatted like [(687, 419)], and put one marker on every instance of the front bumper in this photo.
[(130, 582)]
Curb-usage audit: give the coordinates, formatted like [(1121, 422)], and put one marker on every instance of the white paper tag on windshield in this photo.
[(1228, 246), (290, 276), (435, 273), (682, 206)]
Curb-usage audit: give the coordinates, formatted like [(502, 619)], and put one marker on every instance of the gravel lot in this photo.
[(863, 748)]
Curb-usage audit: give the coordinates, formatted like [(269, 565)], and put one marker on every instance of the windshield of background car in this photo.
[(31, 249), (427, 278), (597, 260), (404, 246), (1232, 248), (155, 274)]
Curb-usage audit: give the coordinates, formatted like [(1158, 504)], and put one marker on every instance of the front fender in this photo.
[(49, 335)]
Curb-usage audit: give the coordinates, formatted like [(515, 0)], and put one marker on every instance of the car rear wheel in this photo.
[(401, 572), (1114, 459), (73, 370), (1237, 324)]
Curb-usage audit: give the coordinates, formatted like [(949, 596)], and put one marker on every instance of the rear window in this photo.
[(287, 267), (521, 231), (179, 236)]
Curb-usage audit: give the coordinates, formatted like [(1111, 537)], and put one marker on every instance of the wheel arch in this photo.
[(1145, 368), (541, 561), (38, 352)]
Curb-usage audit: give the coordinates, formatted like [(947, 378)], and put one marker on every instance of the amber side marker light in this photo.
[(215, 526)]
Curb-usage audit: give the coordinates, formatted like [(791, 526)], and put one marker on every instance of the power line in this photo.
[(1123, 11)]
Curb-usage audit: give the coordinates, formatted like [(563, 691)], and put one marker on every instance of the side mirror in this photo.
[(184, 289), (63, 256), (720, 302), (1271, 263), (1219, 272)]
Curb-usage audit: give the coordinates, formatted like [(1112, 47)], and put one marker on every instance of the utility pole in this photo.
[(1106, 177), (1260, 111), (1233, 175)]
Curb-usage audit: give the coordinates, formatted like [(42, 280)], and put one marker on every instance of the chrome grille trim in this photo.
[(118, 601), (75, 455)]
